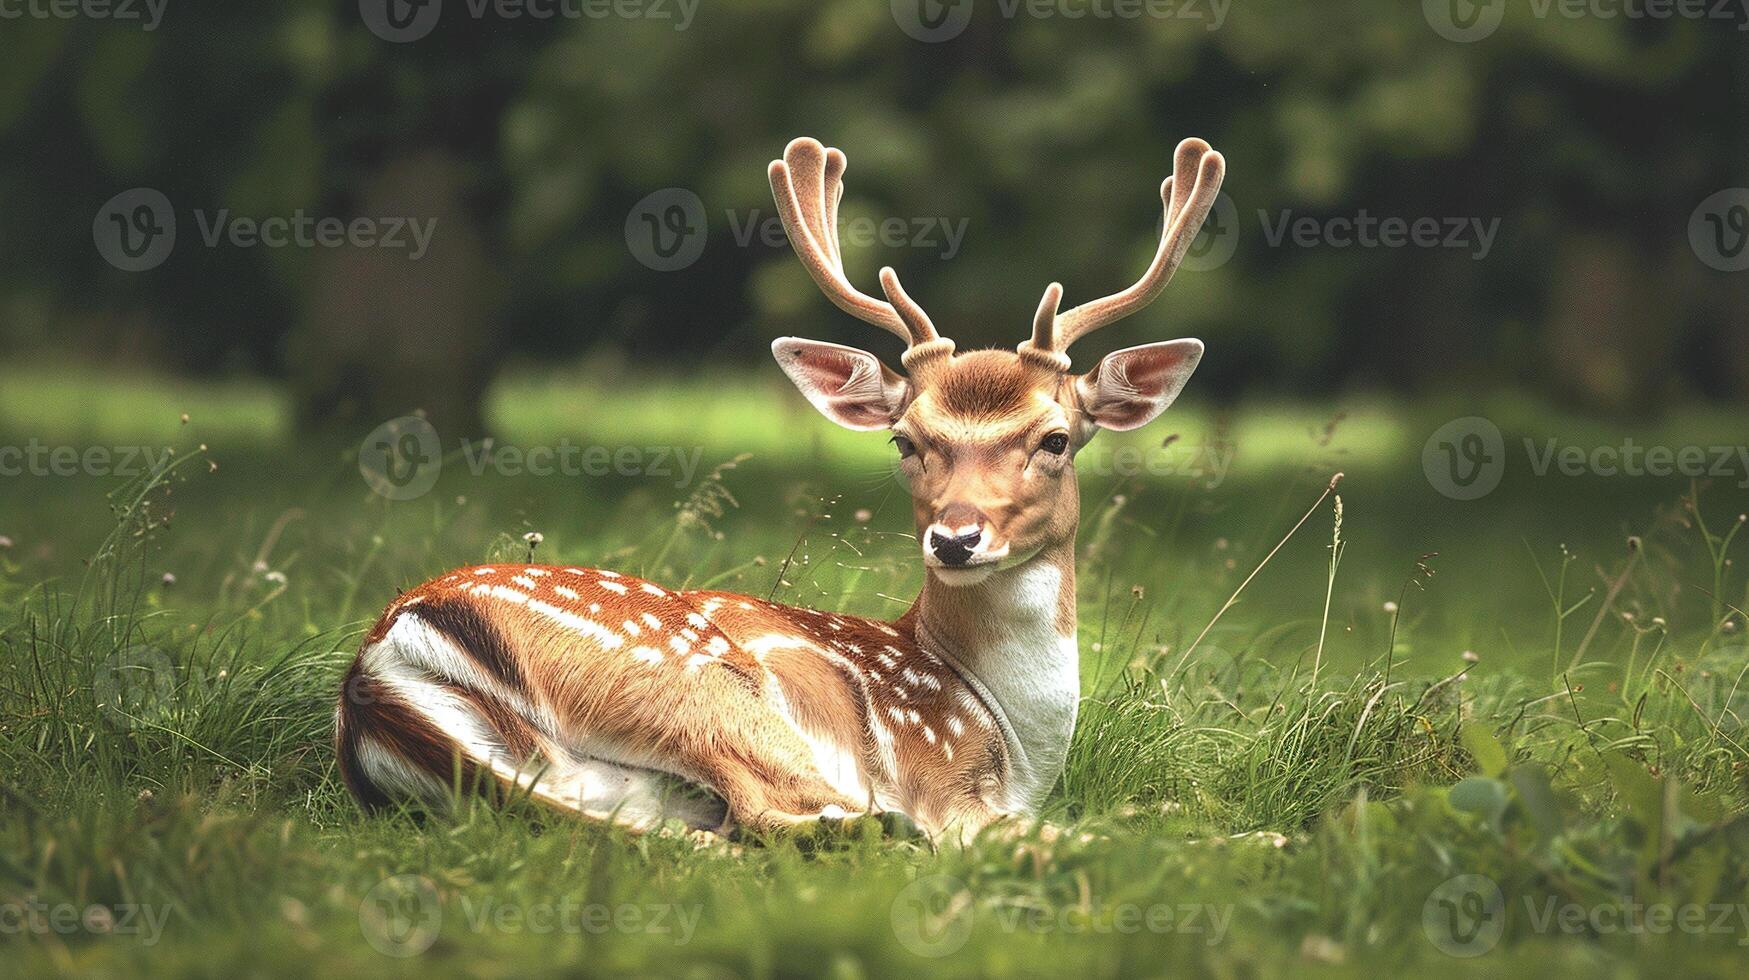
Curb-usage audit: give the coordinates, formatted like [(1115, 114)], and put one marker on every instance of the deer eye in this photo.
[(907, 448), (1057, 443)]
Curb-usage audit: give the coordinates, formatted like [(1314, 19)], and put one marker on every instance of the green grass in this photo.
[(1286, 795)]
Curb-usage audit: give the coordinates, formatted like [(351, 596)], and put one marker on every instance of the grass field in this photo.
[(1526, 751)]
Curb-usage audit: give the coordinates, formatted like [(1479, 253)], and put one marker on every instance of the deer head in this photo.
[(986, 438)]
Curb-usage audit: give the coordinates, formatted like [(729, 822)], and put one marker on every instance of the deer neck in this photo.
[(1012, 639)]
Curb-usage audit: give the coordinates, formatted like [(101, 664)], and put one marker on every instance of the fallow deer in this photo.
[(615, 698)]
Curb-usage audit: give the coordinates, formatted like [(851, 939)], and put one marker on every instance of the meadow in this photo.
[(1322, 732)]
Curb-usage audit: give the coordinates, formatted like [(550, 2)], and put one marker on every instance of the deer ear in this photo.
[(848, 386), (1130, 388)]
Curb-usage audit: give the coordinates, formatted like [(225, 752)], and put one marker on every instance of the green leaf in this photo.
[(1489, 754), (1639, 790), (1482, 795), (1537, 797)]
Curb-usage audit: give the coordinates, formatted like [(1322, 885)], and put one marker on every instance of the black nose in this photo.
[(954, 551)]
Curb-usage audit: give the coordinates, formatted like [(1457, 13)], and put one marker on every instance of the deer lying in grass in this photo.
[(615, 698)]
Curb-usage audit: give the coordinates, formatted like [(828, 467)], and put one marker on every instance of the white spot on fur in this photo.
[(564, 617)]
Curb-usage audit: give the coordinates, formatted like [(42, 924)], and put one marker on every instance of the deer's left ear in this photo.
[(849, 386), (1130, 388)]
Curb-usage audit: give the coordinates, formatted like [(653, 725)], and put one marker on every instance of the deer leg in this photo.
[(768, 776)]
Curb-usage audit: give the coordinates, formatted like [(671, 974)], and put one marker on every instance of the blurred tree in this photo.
[(1590, 141)]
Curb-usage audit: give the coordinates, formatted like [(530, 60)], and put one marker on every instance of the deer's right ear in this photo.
[(848, 386)]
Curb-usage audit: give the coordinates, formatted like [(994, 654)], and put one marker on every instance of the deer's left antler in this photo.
[(1188, 196)]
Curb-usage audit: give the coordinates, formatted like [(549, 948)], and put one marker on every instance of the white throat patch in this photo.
[(1028, 672)]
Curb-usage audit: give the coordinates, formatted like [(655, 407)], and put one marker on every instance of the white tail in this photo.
[(612, 697)]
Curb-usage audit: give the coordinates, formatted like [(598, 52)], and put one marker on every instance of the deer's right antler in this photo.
[(807, 185)]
